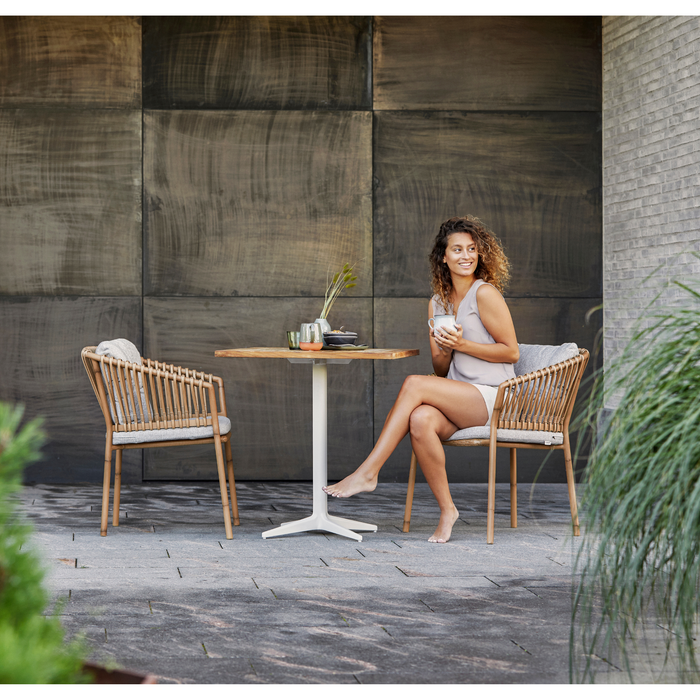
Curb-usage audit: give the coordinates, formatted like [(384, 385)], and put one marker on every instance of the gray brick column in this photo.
[(651, 165)]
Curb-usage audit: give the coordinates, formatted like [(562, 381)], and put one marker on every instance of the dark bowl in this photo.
[(344, 338)]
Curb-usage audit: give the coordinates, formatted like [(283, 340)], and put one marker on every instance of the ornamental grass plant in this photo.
[(33, 648), (636, 600), (344, 279)]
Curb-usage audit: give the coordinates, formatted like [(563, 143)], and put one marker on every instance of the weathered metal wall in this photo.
[(187, 182)]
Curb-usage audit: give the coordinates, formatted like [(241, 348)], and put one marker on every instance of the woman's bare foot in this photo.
[(444, 529), (356, 482)]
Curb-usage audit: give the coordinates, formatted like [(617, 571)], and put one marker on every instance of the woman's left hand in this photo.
[(448, 338)]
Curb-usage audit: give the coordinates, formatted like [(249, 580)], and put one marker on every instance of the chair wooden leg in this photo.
[(513, 487), (491, 505), (222, 487), (571, 484), (232, 483), (117, 487), (409, 493), (105, 489)]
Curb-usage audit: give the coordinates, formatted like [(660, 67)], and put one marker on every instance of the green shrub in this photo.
[(639, 566), (33, 648)]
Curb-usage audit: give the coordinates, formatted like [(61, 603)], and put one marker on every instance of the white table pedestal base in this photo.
[(320, 519), (325, 523)]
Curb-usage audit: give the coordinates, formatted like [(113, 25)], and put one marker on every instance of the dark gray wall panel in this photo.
[(269, 401), (41, 343), (533, 178), (553, 321), (256, 62), (256, 203), (404, 323), (71, 62), (271, 156), (70, 202), (539, 63)]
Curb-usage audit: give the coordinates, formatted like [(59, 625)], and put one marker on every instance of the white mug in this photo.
[(442, 321)]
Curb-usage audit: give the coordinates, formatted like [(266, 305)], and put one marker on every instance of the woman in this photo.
[(469, 270)]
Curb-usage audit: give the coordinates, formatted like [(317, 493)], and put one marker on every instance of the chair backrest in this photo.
[(542, 398), (173, 397), (534, 357)]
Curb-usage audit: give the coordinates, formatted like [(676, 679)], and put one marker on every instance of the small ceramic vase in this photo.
[(325, 326)]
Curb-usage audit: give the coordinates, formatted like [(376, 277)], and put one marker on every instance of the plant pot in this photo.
[(105, 676)]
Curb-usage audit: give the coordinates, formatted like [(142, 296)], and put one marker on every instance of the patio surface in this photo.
[(166, 593)]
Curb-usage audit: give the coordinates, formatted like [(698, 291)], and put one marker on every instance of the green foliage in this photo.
[(341, 280), (639, 566), (32, 645)]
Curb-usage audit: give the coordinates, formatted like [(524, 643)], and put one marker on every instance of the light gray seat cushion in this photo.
[(135, 437), (483, 432)]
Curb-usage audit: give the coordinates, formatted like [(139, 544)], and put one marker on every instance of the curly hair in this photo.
[(493, 266)]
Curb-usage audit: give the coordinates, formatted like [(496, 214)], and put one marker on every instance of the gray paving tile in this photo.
[(166, 593)]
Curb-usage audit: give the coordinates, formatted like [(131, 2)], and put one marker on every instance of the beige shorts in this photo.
[(489, 394)]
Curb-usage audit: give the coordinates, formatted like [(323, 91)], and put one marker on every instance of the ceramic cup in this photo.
[(310, 336), (442, 321), (293, 340)]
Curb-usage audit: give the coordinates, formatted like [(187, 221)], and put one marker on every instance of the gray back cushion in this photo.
[(534, 357), (123, 349), (119, 349)]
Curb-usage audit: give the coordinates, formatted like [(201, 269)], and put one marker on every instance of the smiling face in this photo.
[(461, 255)]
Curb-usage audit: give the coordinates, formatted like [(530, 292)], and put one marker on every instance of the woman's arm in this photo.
[(497, 320), (441, 358)]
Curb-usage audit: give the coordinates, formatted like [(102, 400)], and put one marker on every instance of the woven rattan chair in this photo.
[(153, 404), (531, 411)]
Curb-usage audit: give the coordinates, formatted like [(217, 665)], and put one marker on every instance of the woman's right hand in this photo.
[(440, 355), (438, 338)]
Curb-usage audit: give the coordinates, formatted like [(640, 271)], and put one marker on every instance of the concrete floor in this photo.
[(166, 593)]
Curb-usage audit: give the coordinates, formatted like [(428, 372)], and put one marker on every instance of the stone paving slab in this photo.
[(166, 593)]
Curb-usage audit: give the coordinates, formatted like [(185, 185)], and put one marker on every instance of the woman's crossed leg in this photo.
[(431, 409)]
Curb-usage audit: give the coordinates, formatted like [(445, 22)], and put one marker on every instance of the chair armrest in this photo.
[(540, 400)]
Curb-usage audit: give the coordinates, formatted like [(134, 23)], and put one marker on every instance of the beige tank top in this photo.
[(466, 368)]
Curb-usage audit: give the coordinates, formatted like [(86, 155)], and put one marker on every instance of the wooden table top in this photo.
[(369, 354)]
